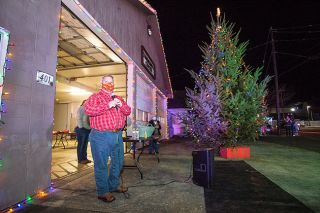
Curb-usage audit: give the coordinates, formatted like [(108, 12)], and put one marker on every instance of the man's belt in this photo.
[(114, 130)]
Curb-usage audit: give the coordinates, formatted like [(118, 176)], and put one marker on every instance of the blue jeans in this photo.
[(153, 146), (82, 138), (105, 144)]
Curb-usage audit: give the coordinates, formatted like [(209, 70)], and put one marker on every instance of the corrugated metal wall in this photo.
[(26, 144)]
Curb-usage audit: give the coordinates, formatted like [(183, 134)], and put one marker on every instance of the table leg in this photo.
[(142, 149), (134, 150), (136, 163), (55, 141), (61, 140)]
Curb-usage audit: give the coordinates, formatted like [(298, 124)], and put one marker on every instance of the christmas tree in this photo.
[(204, 120), (237, 90), (242, 92)]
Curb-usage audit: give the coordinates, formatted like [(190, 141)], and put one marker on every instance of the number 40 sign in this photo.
[(44, 78)]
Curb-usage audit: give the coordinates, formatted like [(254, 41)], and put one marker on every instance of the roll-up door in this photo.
[(144, 96)]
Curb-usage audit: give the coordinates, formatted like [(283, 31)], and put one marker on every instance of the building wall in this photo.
[(175, 125), (26, 146), (127, 24), (65, 116)]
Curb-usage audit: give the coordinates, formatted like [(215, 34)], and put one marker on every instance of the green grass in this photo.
[(295, 170)]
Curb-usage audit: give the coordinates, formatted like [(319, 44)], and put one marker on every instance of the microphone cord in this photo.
[(127, 195)]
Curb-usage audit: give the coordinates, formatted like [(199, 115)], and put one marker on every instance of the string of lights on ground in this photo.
[(30, 199)]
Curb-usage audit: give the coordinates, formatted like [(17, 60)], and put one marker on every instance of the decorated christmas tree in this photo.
[(238, 92), (204, 119)]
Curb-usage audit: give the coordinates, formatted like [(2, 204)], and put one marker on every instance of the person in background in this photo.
[(107, 114), (82, 131), (295, 128), (154, 144), (288, 125), (263, 130)]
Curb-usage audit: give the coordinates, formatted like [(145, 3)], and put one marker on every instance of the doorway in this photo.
[(82, 59)]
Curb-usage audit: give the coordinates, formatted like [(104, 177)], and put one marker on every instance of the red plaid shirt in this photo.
[(101, 116)]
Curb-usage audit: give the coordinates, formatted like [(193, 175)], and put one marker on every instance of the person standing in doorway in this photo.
[(154, 143), (82, 131), (107, 114)]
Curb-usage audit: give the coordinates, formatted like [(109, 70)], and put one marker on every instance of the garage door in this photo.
[(144, 97)]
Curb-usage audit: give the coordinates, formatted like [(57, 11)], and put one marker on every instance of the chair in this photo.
[(61, 136)]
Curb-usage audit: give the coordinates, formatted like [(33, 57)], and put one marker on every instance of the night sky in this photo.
[(183, 28)]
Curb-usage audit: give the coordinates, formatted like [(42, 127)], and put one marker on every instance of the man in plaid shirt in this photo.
[(107, 114)]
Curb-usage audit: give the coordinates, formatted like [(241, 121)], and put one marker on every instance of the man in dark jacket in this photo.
[(155, 136)]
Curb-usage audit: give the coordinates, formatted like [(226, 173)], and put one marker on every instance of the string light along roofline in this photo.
[(120, 51), (150, 8)]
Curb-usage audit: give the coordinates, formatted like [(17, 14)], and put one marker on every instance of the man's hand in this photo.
[(118, 102), (112, 103)]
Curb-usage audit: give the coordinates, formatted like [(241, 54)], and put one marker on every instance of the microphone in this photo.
[(113, 96)]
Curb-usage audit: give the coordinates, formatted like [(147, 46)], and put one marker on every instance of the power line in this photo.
[(291, 54), (308, 51), (313, 47), (259, 45), (297, 32), (293, 68), (301, 56), (298, 27), (301, 39)]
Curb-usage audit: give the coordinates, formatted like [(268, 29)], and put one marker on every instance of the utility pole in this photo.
[(276, 82)]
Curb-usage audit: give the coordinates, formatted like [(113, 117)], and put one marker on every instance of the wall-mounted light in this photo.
[(293, 109), (149, 30)]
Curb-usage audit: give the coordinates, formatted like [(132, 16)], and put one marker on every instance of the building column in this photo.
[(131, 95), (154, 102), (166, 117)]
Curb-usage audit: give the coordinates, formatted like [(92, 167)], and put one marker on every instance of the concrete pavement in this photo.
[(167, 187)]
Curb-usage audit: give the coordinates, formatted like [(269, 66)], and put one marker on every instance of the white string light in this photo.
[(121, 52)]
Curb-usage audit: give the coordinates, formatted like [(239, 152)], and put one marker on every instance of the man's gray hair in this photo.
[(107, 76)]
